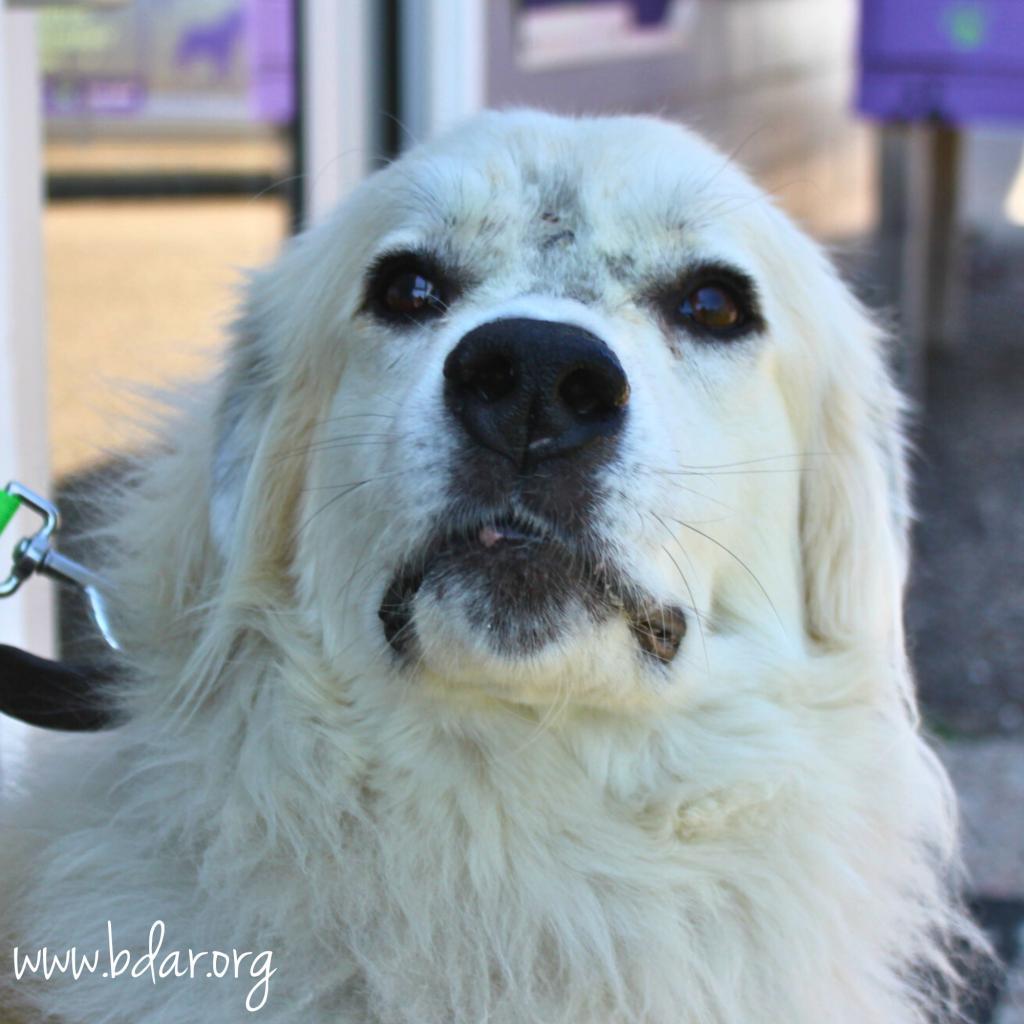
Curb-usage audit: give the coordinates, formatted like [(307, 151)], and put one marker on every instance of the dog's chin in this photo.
[(503, 602), (516, 597)]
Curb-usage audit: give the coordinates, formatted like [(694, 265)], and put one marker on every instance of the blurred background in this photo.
[(150, 150)]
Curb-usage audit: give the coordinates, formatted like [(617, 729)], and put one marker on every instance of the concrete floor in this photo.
[(965, 613)]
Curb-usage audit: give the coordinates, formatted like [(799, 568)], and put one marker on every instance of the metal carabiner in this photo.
[(36, 554)]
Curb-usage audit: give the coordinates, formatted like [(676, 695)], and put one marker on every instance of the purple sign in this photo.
[(212, 42), (645, 12), (93, 95), (156, 60), (952, 60), (272, 58)]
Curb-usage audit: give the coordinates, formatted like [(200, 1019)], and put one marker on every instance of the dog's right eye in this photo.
[(407, 288), (411, 293)]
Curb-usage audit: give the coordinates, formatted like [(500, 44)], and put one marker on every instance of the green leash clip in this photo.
[(9, 505), (37, 554)]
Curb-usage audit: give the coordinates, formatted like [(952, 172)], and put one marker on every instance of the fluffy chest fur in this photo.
[(492, 866)]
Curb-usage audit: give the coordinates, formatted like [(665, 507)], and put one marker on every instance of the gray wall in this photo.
[(769, 80)]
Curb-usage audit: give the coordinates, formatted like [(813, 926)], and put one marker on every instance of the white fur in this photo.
[(755, 834)]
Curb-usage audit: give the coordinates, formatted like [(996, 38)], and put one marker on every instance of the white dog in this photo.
[(514, 631)]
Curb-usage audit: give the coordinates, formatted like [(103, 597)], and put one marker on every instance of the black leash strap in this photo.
[(34, 690), (51, 694)]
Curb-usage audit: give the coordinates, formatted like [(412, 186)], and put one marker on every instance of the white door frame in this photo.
[(443, 80), (27, 619), (444, 64), (338, 97)]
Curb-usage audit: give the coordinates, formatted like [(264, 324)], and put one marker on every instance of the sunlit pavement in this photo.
[(139, 293)]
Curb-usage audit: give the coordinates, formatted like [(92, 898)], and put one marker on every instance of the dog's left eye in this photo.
[(711, 302), (714, 308)]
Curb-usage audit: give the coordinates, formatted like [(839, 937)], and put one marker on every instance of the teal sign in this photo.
[(967, 25)]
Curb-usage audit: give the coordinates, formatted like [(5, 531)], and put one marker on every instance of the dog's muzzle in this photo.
[(539, 407)]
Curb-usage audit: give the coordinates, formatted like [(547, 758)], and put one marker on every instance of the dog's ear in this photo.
[(849, 416), (272, 391), (245, 404), (254, 483), (855, 508)]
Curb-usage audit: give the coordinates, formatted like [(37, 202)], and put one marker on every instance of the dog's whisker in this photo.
[(678, 485), (752, 462), (347, 489), (728, 162), (341, 445), (554, 711), (370, 554), (712, 522), (732, 554), (689, 590), (340, 438), (313, 446), (796, 470), (354, 416), (391, 474)]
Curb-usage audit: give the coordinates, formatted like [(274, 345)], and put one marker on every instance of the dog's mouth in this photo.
[(518, 581)]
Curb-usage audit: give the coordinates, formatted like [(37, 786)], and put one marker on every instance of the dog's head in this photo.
[(561, 407)]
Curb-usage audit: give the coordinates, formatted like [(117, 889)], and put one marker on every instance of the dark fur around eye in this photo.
[(409, 287), (684, 303)]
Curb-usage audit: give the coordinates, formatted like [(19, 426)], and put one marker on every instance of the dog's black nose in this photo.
[(533, 389)]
